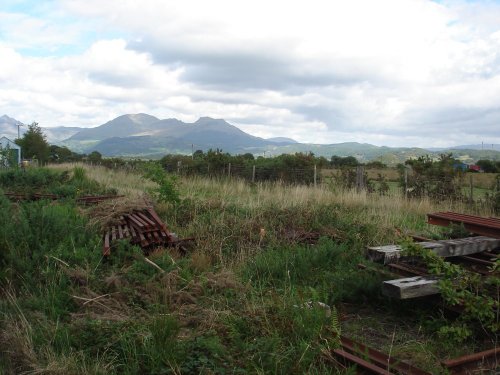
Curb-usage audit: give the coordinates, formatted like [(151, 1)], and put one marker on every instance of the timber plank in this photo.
[(445, 248), (410, 287)]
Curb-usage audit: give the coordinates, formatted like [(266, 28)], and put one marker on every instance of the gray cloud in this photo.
[(265, 68)]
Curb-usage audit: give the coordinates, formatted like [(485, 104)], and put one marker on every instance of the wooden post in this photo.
[(471, 190), (179, 167), (315, 175), (253, 173), (359, 178), (229, 170), (406, 182)]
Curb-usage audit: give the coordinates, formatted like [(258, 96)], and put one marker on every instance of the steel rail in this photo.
[(475, 224)]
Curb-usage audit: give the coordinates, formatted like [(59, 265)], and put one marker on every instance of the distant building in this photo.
[(475, 168), (460, 167), (14, 152)]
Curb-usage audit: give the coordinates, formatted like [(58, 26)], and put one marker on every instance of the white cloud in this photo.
[(395, 72)]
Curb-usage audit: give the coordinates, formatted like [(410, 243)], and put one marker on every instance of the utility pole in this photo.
[(19, 124)]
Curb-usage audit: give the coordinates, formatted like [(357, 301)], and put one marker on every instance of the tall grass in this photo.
[(127, 183), (236, 304)]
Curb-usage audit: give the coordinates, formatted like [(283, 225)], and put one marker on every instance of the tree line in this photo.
[(34, 146)]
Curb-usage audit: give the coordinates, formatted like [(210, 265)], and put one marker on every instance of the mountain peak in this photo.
[(141, 118), (9, 120), (206, 119)]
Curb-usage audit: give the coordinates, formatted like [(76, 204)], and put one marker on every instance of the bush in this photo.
[(166, 191)]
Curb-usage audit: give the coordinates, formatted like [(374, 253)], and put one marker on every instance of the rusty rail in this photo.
[(86, 200), (16, 197), (360, 362), (475, 224), (381, 362), (143, 228), (473, 363), (94, 199)]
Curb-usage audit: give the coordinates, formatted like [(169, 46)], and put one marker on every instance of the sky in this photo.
[(387, 72)]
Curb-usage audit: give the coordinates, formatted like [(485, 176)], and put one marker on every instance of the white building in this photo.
[(14, 149)]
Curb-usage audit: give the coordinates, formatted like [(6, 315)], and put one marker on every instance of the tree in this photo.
[(375, 164), (7, 157), (198, 154), (437, 179), (487, 165), (95, 157), (34, 143), (63, 154), (348, 161)]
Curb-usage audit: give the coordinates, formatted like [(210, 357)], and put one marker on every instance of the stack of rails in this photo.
[(141, 227), (94, 199), (86, 200)]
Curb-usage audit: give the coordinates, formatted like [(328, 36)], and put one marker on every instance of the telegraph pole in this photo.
[(19, 124)]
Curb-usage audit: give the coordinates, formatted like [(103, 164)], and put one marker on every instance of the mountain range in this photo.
[(143, 135)]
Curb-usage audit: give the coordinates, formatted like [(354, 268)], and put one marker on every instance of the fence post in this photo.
[(229, 170), (359, 178), (471, 189), (315, 175), (406, 182), (253, 173), (179, 167)]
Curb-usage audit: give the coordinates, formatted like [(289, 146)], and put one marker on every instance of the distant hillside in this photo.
[(143, 135), (482, 147), (124, 126), (60, 133), (8, 127), (282, 140)]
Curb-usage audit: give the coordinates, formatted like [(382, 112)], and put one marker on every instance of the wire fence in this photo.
[(252, 173), (475, 189)]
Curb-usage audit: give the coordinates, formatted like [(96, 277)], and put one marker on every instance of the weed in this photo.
[(460, 287)]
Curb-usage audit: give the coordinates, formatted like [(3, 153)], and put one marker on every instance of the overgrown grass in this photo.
[(64, 183), (244, 301)]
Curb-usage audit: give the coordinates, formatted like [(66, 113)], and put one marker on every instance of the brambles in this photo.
[(438, 180), (43, 180), (494, 197), (461, 287)]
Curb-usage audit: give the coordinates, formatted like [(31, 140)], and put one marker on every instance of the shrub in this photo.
[(166, 191)]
